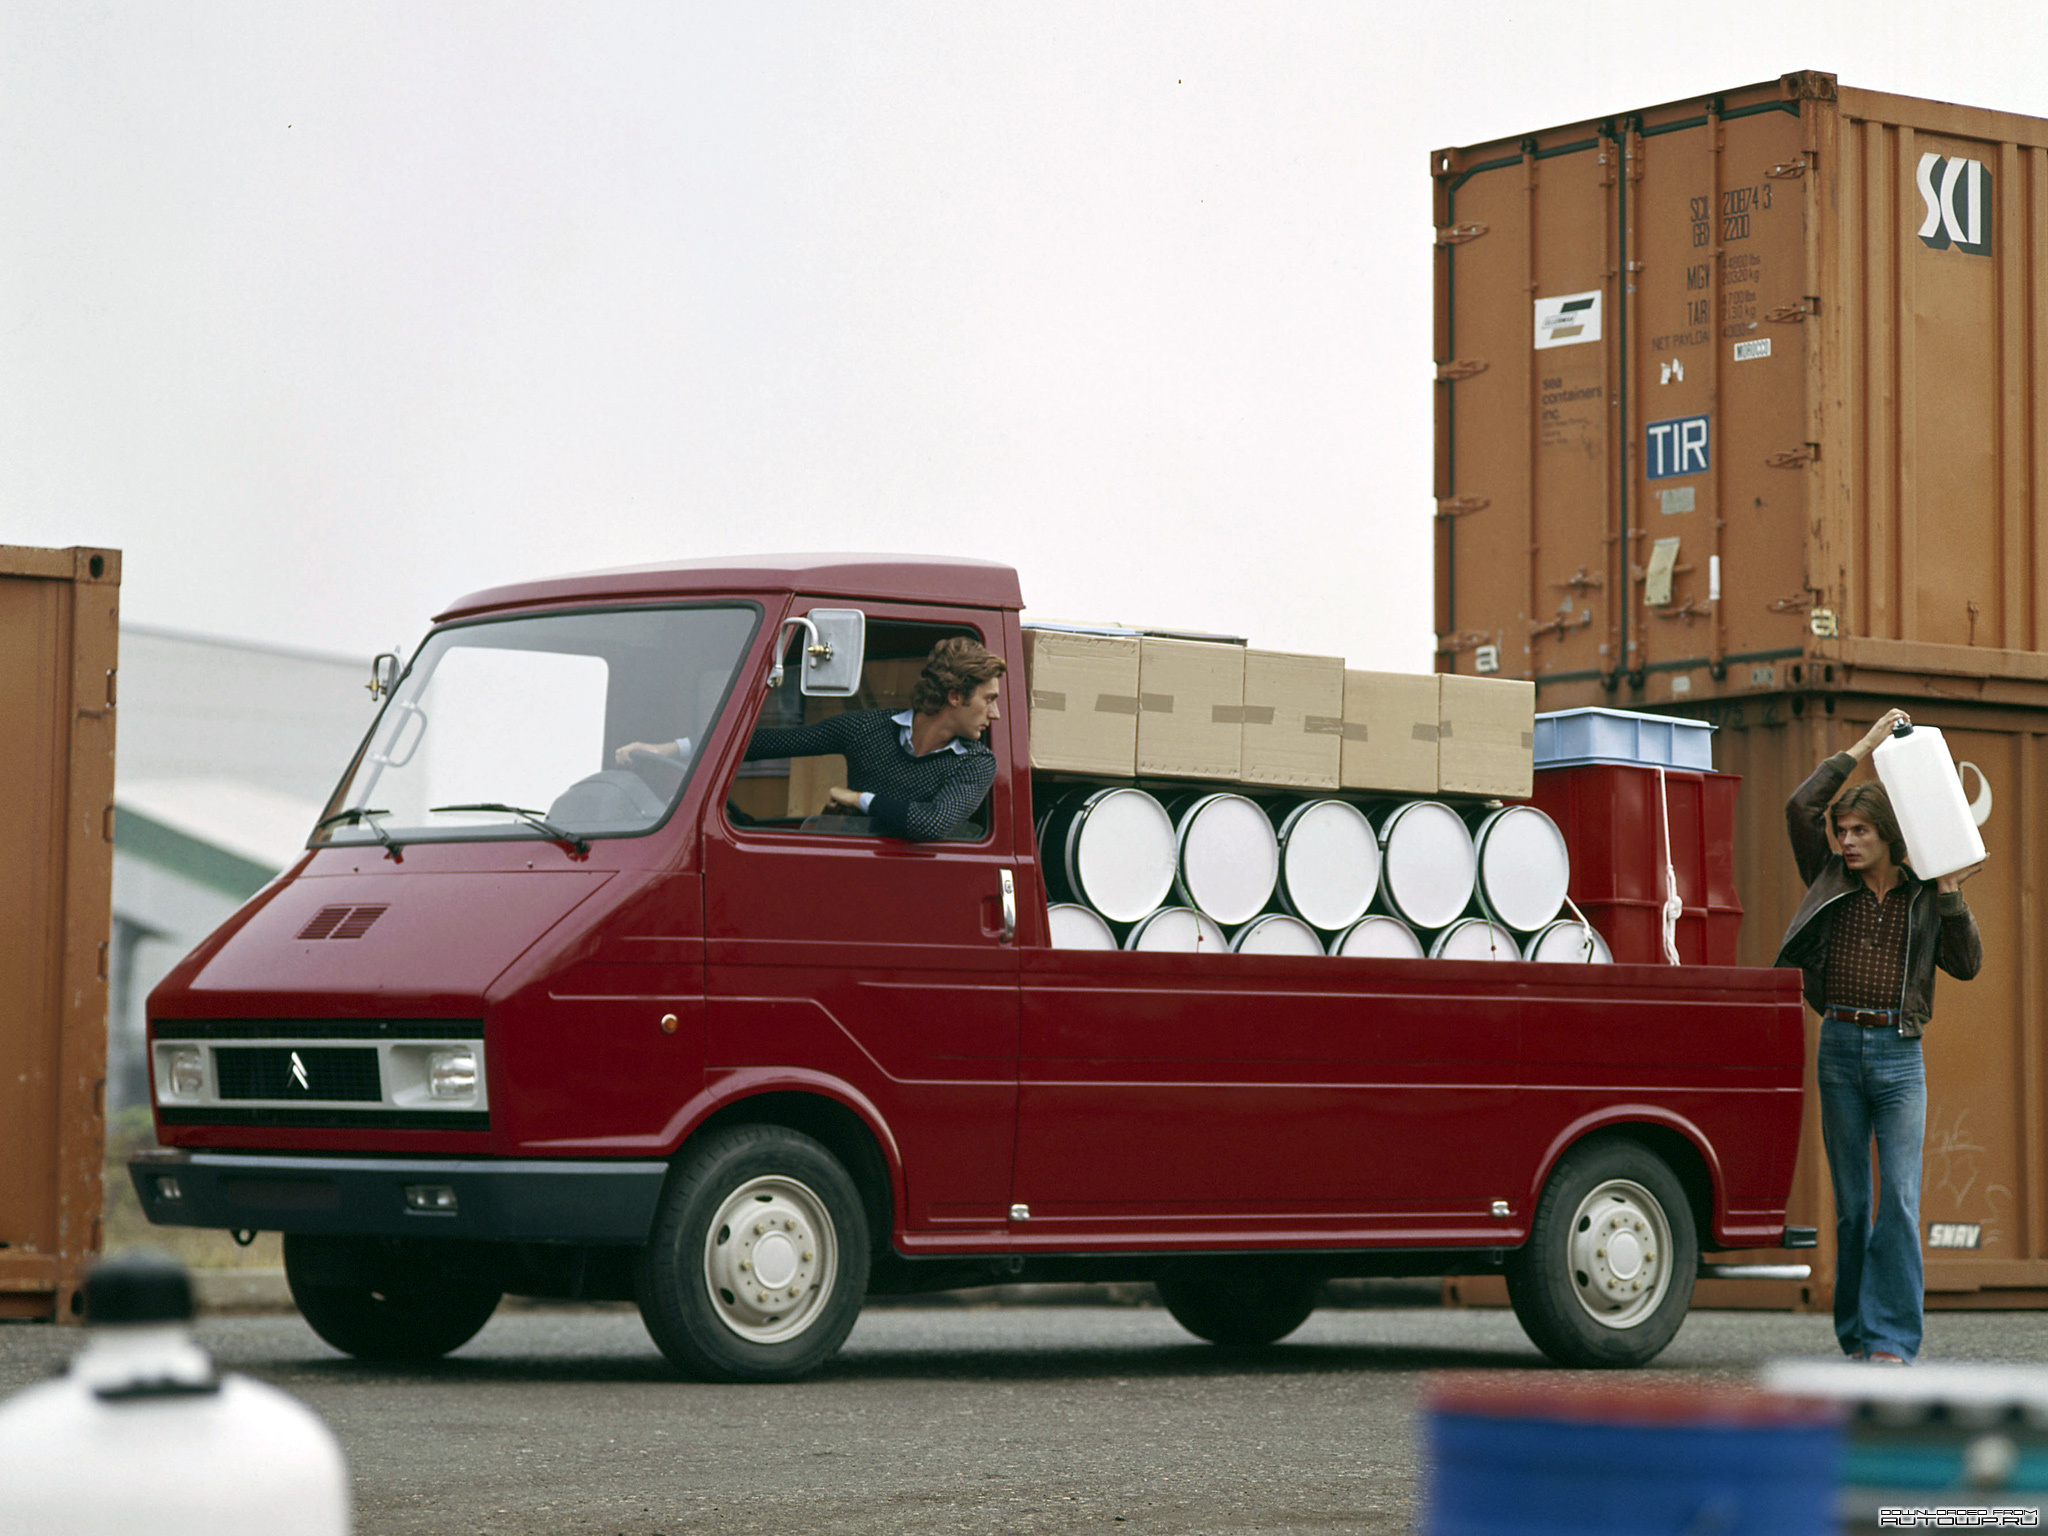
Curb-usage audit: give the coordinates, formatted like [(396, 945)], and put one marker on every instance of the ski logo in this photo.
[(299, 1073), (1958, 198)]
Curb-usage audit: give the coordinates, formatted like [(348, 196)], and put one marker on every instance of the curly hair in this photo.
[(956, 665), (1870, 801)]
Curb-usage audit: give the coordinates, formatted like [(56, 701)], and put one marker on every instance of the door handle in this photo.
[(1009, 928)]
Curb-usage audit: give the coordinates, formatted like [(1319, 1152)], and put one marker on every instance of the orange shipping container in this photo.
[(1744, 393), (58, 632)]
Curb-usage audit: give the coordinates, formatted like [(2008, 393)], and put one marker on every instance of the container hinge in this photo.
[(1793, 314), (1463, 368), (1578, 581), (1793, 458), (1796, 603), (1791, 170), (1458, 234), (1693, 609), (1458, 506), (1470, 640), (1562, 625)]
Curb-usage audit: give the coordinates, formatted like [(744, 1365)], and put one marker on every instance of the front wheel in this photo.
[(1239, 1301), (1607, 1274), (759, 1259)]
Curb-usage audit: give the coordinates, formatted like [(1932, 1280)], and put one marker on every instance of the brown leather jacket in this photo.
[(1939, 928)]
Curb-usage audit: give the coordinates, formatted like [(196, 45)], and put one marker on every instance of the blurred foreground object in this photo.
[(1545, 1452), (142, 1434), (1940, 1437)]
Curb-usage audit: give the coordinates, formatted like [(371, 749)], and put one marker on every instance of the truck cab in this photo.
[(546, 1012)]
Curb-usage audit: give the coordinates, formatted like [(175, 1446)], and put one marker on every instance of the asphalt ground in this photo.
[(934, 1419)]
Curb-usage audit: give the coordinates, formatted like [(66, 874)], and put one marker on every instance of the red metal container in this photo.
[(1615, 818)]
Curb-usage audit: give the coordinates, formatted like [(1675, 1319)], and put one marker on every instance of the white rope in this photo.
[(1585, 929), (1673, 906)]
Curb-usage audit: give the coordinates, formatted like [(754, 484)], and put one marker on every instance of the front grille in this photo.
[(298, 1072)]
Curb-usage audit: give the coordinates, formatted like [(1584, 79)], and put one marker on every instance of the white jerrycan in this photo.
[(1927, 796), (142, 1435)]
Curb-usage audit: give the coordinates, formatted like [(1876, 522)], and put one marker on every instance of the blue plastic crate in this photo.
[(1572, 736)]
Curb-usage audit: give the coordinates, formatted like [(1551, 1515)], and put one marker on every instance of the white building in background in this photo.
[(225, 754)]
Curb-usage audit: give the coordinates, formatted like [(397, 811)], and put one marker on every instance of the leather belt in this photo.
[(1867, 1018)]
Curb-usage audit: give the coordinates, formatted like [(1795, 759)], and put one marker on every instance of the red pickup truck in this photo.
[(529, 1018)]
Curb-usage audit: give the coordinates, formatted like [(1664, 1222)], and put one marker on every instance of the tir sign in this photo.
[(1676, 447), (1958, 195)]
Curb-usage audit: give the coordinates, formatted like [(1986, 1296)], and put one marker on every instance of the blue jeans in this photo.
[(1873, 1084)]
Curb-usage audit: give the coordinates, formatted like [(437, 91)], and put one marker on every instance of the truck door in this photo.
[(836, 953)]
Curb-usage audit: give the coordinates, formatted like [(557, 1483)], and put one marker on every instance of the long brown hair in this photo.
[(1870, 801)]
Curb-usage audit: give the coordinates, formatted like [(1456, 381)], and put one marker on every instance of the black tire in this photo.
[(1239, 1302), (1583, 1305), (407, 1318), (696, 1279)]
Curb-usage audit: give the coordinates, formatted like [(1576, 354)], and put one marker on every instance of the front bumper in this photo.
[(527, 1200)]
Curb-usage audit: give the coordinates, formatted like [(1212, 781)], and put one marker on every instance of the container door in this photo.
[(1624, 321), (837, 957)]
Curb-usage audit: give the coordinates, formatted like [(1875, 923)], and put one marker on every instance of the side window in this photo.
[(793, 792)]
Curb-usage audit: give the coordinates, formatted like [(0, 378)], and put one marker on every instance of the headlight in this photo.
[(451, 1074), (187, 1073)]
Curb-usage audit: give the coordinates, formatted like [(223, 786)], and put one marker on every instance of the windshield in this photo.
[(520, 728)]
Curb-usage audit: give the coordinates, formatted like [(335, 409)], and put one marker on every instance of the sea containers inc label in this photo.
[(1568, 320)]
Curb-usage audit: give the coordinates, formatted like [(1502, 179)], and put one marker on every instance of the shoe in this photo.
[(1884, 1357)]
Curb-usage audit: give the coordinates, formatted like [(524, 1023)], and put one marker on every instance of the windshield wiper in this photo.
[(548, 828), (359, 817)]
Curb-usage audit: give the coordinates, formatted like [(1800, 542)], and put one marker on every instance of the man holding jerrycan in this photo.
[(1868, 937)]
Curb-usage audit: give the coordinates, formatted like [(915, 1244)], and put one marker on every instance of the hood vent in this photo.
[(341, 922)]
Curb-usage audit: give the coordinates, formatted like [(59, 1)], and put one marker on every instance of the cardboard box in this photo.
[(1190, 709), (1083, 690), (1293, 719), (1390, 730), (1486, 736)]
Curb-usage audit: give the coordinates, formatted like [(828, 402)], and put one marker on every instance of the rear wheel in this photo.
[(1607, 1274), (759, 1258), (409, 1313), (1239, 1302)]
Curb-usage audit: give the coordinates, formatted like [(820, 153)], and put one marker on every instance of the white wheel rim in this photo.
[(1620, 1254), (770, 1259)]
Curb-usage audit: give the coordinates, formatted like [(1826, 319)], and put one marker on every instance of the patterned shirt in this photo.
[(918, 798), (1867, 949)]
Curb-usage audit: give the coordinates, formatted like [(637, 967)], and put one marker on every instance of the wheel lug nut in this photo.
[(807, 1255), (745, 1265)]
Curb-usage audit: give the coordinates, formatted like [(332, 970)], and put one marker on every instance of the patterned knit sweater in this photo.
[(918, 798)]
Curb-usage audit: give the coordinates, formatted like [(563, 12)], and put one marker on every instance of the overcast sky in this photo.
[(327, 314)]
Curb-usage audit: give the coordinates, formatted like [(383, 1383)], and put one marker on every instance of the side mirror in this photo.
[(835, 644), (383, 674)]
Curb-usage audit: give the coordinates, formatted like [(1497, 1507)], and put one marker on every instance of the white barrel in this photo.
[(1076, 927), (1114, 849), (1277, 934), (1329, 863), (1178, 930), (1474, 938), (1927, 796), (1427, 863), (1524, 868), (1229, 857), (1378, 937), (1568, 940)]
